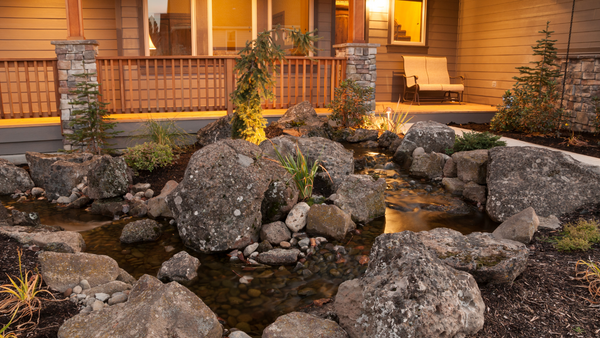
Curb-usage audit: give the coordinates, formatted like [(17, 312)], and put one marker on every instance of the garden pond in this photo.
[(411, 205)]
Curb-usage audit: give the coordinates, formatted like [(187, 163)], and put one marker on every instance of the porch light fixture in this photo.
[(152, 47), (377, 5)]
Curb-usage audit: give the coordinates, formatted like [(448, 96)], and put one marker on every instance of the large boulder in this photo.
[(217, 205), (427, 165), (362, 197), (66, 175), (62, 271), (303, 119), (338, 161), (5, 220), (520, 227), (143, 230), (108, 178), (157, 206), (488, 259), (39, 164), (551, 182), (154, 310), (215, 131), (13, 178), (408, 292), (46, 238), (182, 268), (329, 221), (471, 166), (431, 136), (299, 324)]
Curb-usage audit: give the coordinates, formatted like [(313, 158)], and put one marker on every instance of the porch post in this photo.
[(356, 21), (74, 57), (74, 20)]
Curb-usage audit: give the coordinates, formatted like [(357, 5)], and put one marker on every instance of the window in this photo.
[(169, 27), (231, 25), (408, 22)]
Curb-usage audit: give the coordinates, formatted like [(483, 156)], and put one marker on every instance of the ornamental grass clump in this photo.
[(22, 295), (591, 275), (148, 156), (474, 140), (163, 132), (578, 236), (302, 173), (3, 330)]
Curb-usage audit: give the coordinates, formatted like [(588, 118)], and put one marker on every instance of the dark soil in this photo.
[(591, 149), (54, 311)]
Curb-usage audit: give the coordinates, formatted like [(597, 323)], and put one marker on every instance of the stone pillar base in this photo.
[(74, 57), (361, 65)]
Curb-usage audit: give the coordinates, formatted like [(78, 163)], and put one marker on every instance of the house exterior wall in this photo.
[(441, 40), (495, 36)]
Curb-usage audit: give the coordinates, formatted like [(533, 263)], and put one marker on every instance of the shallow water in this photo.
[(411, 205)]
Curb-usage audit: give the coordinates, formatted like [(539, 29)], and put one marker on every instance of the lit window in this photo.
[(407, 22), (169, 27), (232, 25)]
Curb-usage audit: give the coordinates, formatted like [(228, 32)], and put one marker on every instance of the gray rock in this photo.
[(427, 165), (520, 227), (408, 292), (275, 232), (149, 193), (39, 164), (299, 324), (281, 195), (488, 259), (471, 166), (79, 203), (264, 246), (450, 170), (103, 297), (98, 305), (64, 270), (362, 197), (27, 219), (63, 200), (550, 222), (362, 135), (250, 249), (386, 139), (303, 119), (110, 207), (551, 182), (329, 221), (278, 256), (77, 289), (37, 191), (140, 187), (48, 240), (338, 161), (215, 131), (84, 284), (153, 310), (144, 230), (432, 136), (108, 288), (66, 175), (453, 185), (117, 298), (109, 178), (181, 268), (125, 277), (475, 193), (217, 206), (157, 206), (239, 334), (296, 219), (13, 178)]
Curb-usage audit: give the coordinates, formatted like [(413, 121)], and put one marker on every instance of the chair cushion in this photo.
[(437, 70), (430, 87), (453, 87)]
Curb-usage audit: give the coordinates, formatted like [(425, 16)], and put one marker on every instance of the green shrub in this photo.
[(162, 132), (148, 156), (350, 103), (578, 236), (474, 140), (532, 105)]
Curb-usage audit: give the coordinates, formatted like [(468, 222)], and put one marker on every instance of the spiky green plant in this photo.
[(162, 132), (302, 173)]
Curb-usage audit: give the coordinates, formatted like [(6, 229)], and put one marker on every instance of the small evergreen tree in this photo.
[(91, 126), (532, 106)]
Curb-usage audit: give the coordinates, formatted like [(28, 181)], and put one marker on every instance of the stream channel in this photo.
[(412, 204)]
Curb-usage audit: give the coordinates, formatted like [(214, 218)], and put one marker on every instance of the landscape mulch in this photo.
[(561, 142), (55, 309)]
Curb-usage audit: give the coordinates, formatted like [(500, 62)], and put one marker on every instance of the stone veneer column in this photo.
[(361, 65), (581, 86), (74, 57)]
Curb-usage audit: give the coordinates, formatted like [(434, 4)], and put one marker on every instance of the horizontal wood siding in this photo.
[(99, 24), (131, 24), (441, 40), (496, 36), (323, 24)]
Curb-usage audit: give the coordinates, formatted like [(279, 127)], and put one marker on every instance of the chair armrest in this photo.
[(406, 77), (462, 78)]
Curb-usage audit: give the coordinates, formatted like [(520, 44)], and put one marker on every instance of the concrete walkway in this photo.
[(516, 143)]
